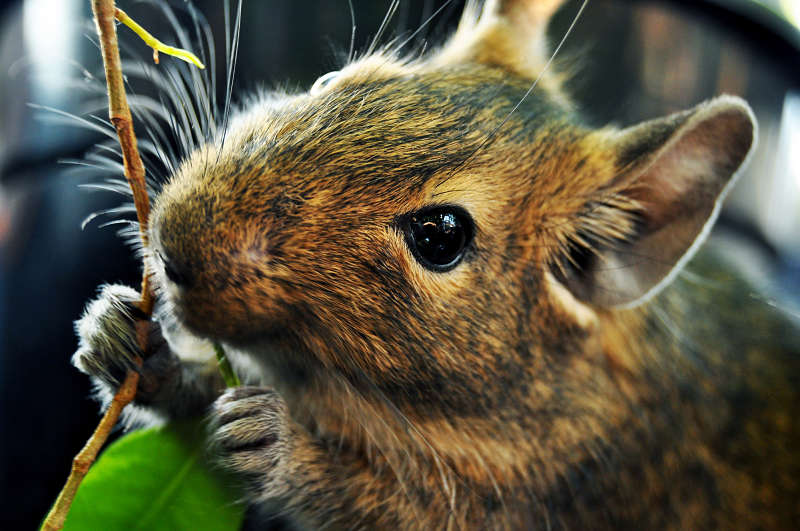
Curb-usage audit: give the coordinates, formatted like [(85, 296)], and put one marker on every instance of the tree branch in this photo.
[(104, 14), (120, 114)]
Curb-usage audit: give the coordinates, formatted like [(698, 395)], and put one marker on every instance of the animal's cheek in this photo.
[(571, 308)]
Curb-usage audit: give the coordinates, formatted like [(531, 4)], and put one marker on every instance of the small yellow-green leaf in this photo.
[(156, 479), (156, 44)]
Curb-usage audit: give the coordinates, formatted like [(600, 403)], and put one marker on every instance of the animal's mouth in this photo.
[(217, 319)]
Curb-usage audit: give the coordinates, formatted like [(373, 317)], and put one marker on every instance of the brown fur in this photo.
[(508, 392)]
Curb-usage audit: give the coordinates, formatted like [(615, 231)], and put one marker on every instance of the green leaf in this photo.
[(156, 479)]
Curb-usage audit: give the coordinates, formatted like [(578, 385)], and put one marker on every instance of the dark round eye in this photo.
[(438, 236)]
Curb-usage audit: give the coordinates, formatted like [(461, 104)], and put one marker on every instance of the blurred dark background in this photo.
[(636, 60)]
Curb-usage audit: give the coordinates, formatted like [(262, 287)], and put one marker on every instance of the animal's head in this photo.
[(431, 224)]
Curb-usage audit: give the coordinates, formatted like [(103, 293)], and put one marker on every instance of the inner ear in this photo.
[(673, 174)]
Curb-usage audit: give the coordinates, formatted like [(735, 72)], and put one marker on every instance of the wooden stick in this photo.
[(81, 463), (120, 113)]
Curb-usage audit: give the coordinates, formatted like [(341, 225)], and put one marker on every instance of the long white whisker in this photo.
[(384, 24), (125, 209), (72, 119), (352, 31), (189, 73), (232, 51), (424, 24)]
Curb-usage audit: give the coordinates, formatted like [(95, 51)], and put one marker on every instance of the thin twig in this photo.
[(120, 113), (104, 14), (81, 463)]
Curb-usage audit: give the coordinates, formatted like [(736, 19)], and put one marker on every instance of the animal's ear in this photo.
[(504, 33), (671, 177)]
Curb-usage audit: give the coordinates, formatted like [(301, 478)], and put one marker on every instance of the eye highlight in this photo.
[(439, 236), (323, 81)]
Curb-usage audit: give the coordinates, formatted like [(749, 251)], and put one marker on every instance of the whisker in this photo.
[(115, 222), (108, 211), (116, 186), (397, 469), (209, 81), (232, 51), (73, 119), (103, 166), (407, 425), (190, 72), (384, 25), (352, 31), (493, 134), (495, 484), (424, 24)]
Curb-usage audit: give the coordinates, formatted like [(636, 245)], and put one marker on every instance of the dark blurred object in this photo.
[(633, 60)]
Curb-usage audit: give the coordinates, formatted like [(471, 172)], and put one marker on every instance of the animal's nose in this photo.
[(177, 273)]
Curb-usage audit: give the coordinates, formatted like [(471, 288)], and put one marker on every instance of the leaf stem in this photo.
[(156, 44), (228, 375)]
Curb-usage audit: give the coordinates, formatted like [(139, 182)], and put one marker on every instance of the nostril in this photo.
[(179, 277)]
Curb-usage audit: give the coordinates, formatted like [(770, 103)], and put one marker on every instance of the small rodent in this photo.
[(456, 306)]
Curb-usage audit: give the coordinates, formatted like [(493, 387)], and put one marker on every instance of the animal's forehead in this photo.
[(415, 122)]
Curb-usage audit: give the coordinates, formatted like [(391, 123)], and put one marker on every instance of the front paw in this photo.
[(251, 437), (108, 344)]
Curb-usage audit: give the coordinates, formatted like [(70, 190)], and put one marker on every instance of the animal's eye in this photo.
[(323, 81), (439, 236)]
